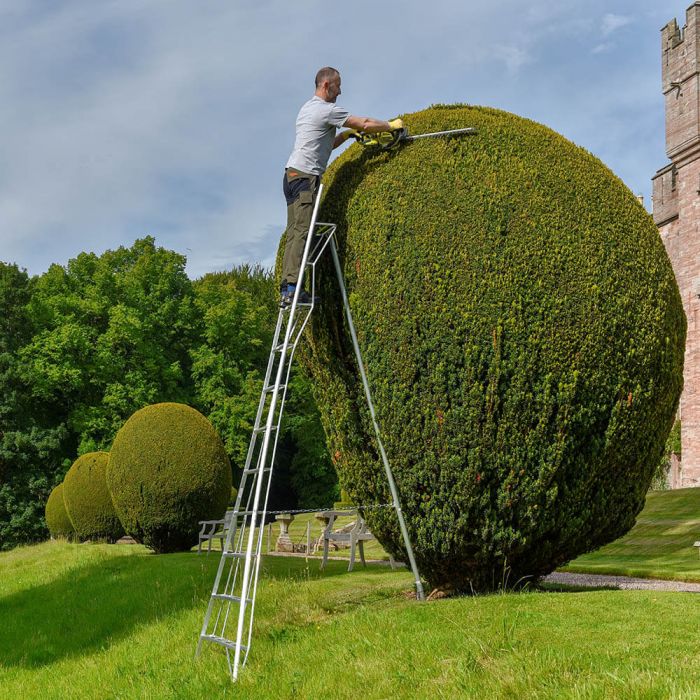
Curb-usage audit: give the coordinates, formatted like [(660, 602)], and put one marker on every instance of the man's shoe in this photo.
[(288, 298), (304, 297)]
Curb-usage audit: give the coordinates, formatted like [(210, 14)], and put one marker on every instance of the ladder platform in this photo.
[(223, 641)]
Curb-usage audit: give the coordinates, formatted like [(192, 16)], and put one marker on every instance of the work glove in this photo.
[(351, 134), (396, 124)]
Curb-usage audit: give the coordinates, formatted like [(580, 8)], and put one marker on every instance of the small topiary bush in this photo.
[(88, 503), (167, 471), (523, 335), (57, 519)]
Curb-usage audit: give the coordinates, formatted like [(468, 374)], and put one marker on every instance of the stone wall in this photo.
[(676, 194)]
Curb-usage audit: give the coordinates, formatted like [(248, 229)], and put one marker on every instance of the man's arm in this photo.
[(366, 124)]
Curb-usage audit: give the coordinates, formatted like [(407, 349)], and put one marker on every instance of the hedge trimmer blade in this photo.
[(446, 134), (391, 139)]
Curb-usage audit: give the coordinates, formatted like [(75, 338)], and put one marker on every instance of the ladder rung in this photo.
[(223, 641), (263, 428), (253, 470), (232, 598), (271, 388), (238, 555)]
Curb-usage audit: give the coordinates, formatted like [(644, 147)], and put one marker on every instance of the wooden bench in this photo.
[(214, 529), (354, 537)]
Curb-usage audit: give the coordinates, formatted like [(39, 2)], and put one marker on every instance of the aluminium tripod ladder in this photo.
[(236, 579)]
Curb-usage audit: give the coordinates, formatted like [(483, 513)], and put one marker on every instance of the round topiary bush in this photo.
[(57, 519), (167, 471), (88, 503), (523, 335)]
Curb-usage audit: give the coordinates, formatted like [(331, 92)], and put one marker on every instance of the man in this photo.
[(316, 126)]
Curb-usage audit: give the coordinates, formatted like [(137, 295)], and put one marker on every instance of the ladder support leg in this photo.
[(420, 593)]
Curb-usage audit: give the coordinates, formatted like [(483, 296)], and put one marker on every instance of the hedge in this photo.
[(167, 471), (523, 334), (57, 519), (87, 499)]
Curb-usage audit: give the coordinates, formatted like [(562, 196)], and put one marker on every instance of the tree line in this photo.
[(84, 346)]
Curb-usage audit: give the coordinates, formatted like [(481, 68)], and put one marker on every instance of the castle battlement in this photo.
[(680, 74)]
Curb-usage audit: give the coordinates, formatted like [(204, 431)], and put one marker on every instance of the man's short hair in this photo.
[(326, 73)]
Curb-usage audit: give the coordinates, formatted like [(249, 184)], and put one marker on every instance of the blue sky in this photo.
[(173, 118)]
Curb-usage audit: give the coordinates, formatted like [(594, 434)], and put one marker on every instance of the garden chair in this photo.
[(214, 529)]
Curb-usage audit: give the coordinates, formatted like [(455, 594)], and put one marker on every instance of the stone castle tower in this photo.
[(676, 195)]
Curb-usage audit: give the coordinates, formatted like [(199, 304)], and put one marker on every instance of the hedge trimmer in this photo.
[(391, 139)]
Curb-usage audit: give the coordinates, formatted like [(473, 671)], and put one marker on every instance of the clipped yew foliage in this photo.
[(88, 503), (167, 471), (523, 335), (57, 519)]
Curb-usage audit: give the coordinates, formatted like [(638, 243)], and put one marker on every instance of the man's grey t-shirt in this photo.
[(316, 125)]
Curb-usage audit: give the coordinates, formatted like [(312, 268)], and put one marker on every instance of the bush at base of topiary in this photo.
[(167, 471), (57, 519), (523, 335), (88, 503)]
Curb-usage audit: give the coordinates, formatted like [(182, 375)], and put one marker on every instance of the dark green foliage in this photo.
[(57, 519), (167, 471), (311, 473), (524, 337), (85, 345), (88, 503), (113, 335), (237, 312), (32, 439)]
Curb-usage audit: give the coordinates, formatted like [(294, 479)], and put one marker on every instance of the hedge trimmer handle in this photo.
[(384, 139)]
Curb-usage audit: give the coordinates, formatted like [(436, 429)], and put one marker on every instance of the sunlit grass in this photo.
[(101, 621), (660, 545)]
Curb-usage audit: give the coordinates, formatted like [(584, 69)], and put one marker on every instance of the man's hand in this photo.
[(343, 136), (396, 124)]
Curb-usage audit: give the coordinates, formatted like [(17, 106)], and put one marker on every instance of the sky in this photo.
[(173, 118)]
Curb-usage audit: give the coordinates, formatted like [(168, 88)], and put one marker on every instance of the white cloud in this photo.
[(123, 118), (513, 57), (612, 23)]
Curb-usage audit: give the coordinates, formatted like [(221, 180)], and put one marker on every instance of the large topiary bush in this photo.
[(523, 335), (57, 519), (167, 471), (88, 503)]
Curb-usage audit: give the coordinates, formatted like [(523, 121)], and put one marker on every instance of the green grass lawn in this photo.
[(660, 545), (113, 621)]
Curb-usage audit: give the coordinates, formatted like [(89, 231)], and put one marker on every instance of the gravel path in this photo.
[(621, 582)]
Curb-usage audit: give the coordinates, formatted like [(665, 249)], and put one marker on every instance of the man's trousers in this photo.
[(300, 191)]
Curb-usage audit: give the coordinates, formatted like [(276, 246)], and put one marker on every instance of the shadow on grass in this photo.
[(92, 607)]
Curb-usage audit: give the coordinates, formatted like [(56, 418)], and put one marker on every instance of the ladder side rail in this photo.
[(324, 237), (261, 407), (233, 528), (266, 440), (420, 594), (230, 535), (255, 575)]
